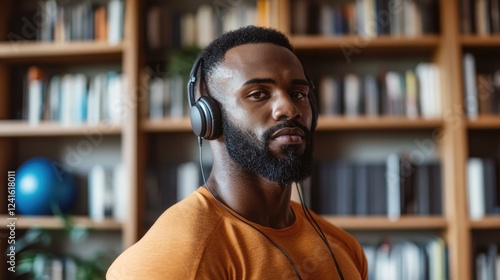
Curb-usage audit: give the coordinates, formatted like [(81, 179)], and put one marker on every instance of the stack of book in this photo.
[(366, 18), (394, 188), (488, 262), (482, 90), (413, 93), (73, 98), (480, 17), (483, 187), (62, 21), (407, 259)]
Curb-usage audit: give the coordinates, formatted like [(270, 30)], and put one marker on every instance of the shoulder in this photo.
[(173, 246)]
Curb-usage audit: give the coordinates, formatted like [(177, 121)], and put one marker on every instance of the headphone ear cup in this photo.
[(206, 118)]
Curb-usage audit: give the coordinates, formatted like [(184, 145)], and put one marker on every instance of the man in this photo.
[(241, 224)]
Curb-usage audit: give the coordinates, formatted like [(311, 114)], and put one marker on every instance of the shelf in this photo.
[(488, 222), (481, 41), (167, 125), (384, 43), (17, 128), (327, 123), (51, 222), (384, 223), (74, 51), (484, 122)]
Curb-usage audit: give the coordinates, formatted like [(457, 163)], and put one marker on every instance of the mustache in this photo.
[(287, 123)]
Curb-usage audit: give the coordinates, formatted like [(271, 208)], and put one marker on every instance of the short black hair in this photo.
[(214, 53)]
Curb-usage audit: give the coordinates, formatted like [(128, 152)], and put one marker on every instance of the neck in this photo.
[(257, 199)]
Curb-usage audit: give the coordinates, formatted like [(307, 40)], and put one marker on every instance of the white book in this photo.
[(471, 101), (188, 175), (115, 21), (250, 16), (475, 188), (231, 19), (67, 99), (156, 98), (428, 90), (96, 95), (393, 177), (411, 17), (436, 95), (188, 30), (35, 101), (352, 94), (115, 105), (121, 193), (371, 96), (79, 106), (97, 193), (177, 108), (205, 28), (370, 24), (435, 250)]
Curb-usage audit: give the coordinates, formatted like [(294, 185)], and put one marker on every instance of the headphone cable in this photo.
[(309, 216), (200, 140)]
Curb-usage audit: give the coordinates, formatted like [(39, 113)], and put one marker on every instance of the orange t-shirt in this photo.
[(198, 239)]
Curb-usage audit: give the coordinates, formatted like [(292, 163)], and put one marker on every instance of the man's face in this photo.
[(266, 112)]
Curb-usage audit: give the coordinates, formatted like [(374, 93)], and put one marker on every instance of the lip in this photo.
[(289, 131)]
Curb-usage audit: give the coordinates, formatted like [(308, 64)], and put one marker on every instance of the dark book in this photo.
[(436, 188), (422, 190), (494, 8), (466, 17), (490, 183), (383, 18), (361, 189), (378, 189), (344, 189)]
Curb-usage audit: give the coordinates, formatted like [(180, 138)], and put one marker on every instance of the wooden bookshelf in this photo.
[(384, 223), (484, 122), (480, 41), (326, 123), (17, 128), (74, 51), (55, 223), (167, 125), (386, 43), (445, 49), (488, 222)]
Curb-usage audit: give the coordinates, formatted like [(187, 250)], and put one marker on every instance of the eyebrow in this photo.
[(294, 82)]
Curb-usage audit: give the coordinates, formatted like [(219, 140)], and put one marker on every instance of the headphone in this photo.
[(205, 113)]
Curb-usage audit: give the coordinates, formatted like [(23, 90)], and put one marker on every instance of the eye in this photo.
[(258, 95), (298, 95)]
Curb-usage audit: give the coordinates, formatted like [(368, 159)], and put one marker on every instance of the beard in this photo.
[(253, 155)]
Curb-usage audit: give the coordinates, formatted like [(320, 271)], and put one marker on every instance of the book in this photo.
[(187, 179), (471, 100), (115, 21), (475, 188), (352, 95), (35, 95)]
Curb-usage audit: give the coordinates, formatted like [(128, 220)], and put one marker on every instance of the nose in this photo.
[(284, 108)]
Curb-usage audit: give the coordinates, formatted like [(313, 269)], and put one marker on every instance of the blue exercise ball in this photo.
[(41, 185)]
